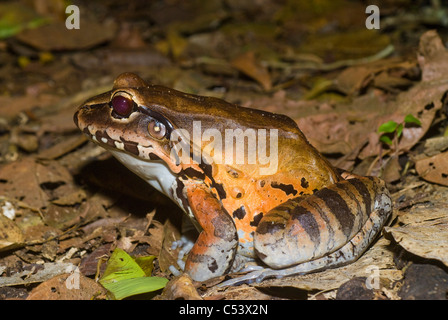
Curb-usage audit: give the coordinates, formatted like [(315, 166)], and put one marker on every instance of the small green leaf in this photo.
[(146, 263), (386, 140), (126, 276), (121, 266), (411, 119), (388, 127), (399, 130)]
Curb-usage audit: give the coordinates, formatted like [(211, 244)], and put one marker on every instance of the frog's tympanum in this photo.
[(299, 216)]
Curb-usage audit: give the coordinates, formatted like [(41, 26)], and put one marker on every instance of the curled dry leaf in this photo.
[(10, 234), (434, 169), (247, 64), (424, 231)]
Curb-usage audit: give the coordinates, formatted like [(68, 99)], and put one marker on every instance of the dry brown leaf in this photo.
[(434, 169), (424, 231), (168, 257), (392, 170), (65, 146), (37, 273), (432, 57), (19, 182), (10, 234), (56, 36), (73, 286), (247, 64)]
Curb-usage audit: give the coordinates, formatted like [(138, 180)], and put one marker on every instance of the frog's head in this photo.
[(149, 121), (131, 119)]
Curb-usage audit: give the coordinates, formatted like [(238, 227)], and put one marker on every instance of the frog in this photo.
[(299, 215)]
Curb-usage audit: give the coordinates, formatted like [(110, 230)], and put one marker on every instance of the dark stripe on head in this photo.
[(337, 205), (308, 223), (130, 146)]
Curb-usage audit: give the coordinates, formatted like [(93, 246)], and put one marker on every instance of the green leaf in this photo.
[(125, 276), (121, 266), (388, 127), (411, 119), (399, 130), (146, 264), (386, 140), (129, 287)]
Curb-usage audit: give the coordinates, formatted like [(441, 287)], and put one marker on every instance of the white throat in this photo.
[(155, 172)]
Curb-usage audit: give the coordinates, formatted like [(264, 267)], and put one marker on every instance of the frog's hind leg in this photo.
[(348, 253), (330, 228)]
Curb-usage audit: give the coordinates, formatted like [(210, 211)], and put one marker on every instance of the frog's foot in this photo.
[(348, 253), (185, 244)]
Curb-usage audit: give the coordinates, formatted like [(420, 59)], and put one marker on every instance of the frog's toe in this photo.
[(185, 244)]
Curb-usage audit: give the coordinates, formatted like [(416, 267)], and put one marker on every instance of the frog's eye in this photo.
[(156, 129), (122, 106)]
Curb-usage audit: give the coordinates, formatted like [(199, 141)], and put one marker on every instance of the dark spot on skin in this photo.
[(212, 265), (207, 169), (220, 189), (180, 195), (218, 186), (153, 156), (233, 173), (102, 134), (130, 146), (262, 183), (239, 213), (192, 173), (286, 188), (256, 219), (304, 183)]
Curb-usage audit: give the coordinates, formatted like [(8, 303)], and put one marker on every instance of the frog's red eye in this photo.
[(122, 106)]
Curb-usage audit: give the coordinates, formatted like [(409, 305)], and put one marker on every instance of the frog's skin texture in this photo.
[(303, 217)]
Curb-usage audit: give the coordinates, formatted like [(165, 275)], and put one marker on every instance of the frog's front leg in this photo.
[(214, 251)]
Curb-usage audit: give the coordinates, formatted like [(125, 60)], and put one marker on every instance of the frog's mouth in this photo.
[(102, 138)]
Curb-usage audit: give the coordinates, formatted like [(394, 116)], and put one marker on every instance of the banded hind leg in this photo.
[(330, 228), (214, 251)]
